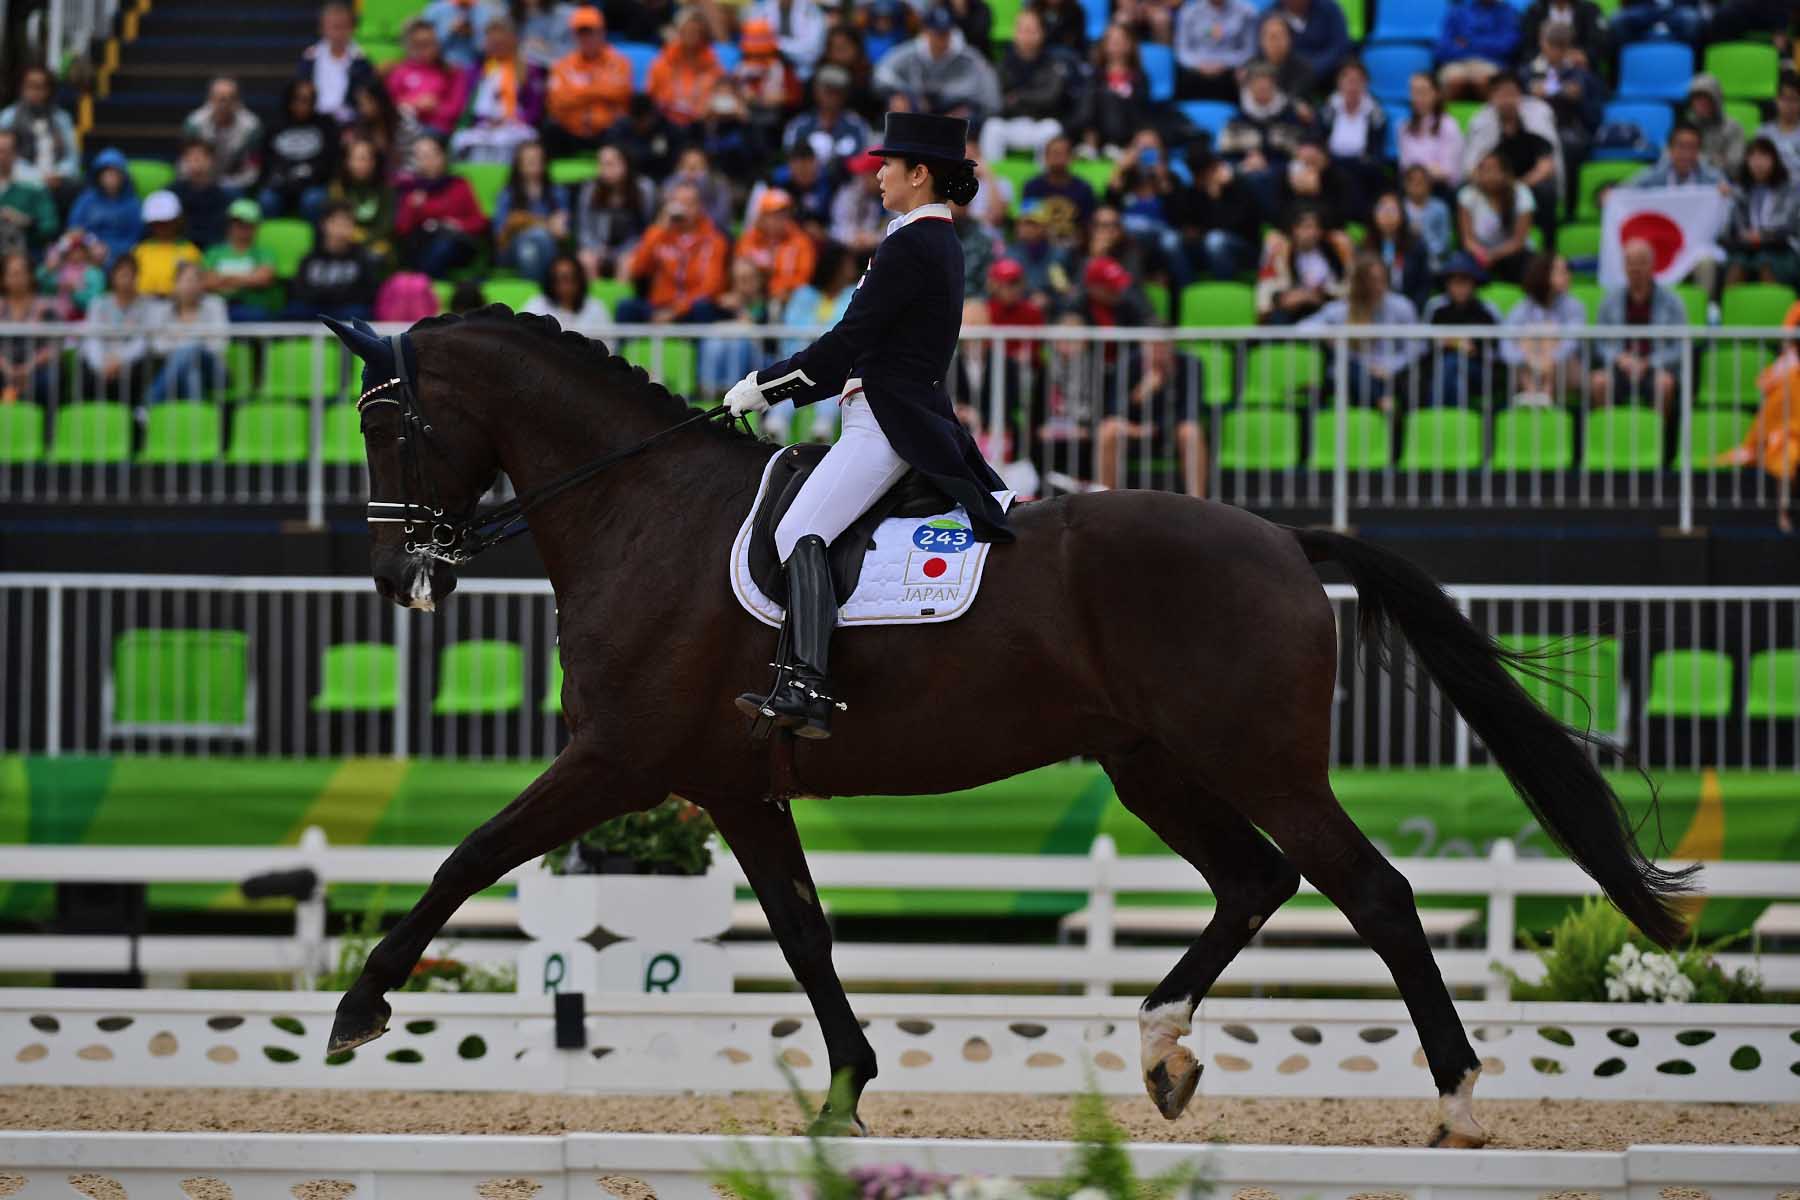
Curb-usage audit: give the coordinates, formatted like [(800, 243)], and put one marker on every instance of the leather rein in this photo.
[(456, 539)]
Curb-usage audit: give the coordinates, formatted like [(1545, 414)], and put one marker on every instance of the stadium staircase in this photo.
[(181, 45)]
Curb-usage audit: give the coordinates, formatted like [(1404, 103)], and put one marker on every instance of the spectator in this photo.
[(203, 201), (531, 215), (695, 169), (938, 72), (459, 25), (770, 88), (376, 122), (108, 208), (1464, 365), (1784, 129), (589, 87), (1040, 85), (813, 191), (646, 137), (1142, 189), (1429, 138), (338, 278), (1639, 20), (1763, 232), (566, 296), (976, 21), (466, 297), (638, 20), (1312, 180), (774, 243), (49, 149), (1531, 153), (74, 272), (1393, 243), (1427, 213), (436, 216), (1583, 18), (190, 340), (1301, 270), (115, 355), (233, 131), (1721, 138), (545, 32), (1736, 19), (1263, 136), (683, 257), (334, 64), (799, 27), (428, 91), (1275, 50), (1560, 78), (506, 99), (240, 271), (819, 304), (884, 29), (832, 130), (1066, 199), (1479, 37), (1548, 368), (1148, 20), (1134, 382), (163, 248), (1682, 166), (1321, 38), (745, 301), (1213, 39), (612, 211), (858, 220), (1356, 136), (26, 363), (727, 137), (1639, 369), (1008, 304), (299, 156), (979, 250), (1065, 23), (1049, 267), (361, 187), (1381, 368), (844, 48), (994, 199), (1217, 220), (1773, 440), (27, 214), (683, 75), (1493, 218), (1117, 103)]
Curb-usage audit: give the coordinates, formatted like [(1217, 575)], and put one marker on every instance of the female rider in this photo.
[(888, 357)]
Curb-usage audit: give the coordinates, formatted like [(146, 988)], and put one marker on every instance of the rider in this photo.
[(888, 357)]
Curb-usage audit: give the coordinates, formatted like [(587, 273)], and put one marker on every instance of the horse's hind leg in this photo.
[(1249, 879)]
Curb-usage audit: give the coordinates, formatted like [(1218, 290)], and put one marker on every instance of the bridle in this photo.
[(457, 538)]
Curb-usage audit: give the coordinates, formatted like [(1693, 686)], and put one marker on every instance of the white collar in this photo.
[(940, 211)]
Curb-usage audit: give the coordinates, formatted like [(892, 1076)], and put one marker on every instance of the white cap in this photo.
[(161, 205)]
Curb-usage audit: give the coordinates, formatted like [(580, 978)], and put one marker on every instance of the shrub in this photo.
[(1595, 955)]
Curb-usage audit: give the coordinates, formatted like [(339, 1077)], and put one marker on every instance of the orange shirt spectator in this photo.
[(684, 254), (590, 85), (777, 244), (683, 75)]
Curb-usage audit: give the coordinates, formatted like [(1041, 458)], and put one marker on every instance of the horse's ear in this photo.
[(363, 341)]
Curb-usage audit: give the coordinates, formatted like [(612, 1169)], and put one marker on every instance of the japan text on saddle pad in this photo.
[(922, 564)]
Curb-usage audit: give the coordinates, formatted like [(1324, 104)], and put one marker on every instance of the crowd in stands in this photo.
[(640, 162)]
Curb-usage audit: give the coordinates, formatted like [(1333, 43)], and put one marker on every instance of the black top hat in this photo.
[(920, 136)]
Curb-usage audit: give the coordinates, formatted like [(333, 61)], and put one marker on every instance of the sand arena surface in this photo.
[(1513, 1124)]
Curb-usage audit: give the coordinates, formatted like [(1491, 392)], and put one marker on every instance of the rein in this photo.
[(457, 540)]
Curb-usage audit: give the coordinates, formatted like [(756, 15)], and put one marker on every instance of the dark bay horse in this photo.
[(1186, 645)]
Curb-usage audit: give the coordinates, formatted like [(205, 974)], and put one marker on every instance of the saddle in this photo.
[(914, 496)]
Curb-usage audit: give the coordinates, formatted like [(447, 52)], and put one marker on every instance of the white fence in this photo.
[(280, 665), (1269, 417)]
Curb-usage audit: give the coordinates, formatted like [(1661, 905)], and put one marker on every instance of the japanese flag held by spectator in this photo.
[(1681, 224)]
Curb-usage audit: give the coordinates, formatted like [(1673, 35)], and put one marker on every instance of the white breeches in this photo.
[(1001, 135), (854, 473)]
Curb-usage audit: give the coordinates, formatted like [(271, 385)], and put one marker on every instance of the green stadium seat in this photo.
[(1217, 305), (1368, 440), (358, 677), (1158, 297), (1745, 70), (1588, 666), (1623, 437), (180, 680), (341, 443), (1711, 432), (1579, 239), (1097, 172), (679, 362), (1501, 297), (1595, 175), (480, 677), (1462, 112), (610, 291), (1747, 115), (1356, 20), (1441, 439), (288, 240), (573, 172), (1277, 373), (240, 368), (1755, 304), (443, 289), (268, 433), (182, 432), (1773, 688), (1534, 439), (381, 52), (514, 293), (1693, 298), (1005, 13), (1262, 439), (93, 432), (487, 180), (386, 18), (1689, 683), (1017, 170), (553, 691), (1728, 374), (149, 174), (291, 369), (1590, 294), (21, 433)]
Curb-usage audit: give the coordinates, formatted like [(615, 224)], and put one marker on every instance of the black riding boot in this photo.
[(802, 699)]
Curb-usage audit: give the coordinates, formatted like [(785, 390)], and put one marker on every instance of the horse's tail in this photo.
[(1546, 761)]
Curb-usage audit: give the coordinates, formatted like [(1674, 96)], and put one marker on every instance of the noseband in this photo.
[(457, 539)]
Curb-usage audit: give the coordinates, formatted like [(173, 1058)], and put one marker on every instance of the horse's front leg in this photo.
[(768, 849), (577, 793)]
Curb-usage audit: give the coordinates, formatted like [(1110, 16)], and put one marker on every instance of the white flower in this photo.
[(436, 984), (1090, 1193)]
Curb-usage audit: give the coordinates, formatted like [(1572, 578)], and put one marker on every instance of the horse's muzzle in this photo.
[(413, 581)]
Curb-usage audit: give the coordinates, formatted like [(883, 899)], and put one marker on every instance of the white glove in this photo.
[(745, 396)]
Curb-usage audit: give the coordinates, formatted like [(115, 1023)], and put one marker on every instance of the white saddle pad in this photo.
[(919, 570)]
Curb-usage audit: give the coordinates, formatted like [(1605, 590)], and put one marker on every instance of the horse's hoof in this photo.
[(357, 1025), (1450, 1139), (1172, 1081)]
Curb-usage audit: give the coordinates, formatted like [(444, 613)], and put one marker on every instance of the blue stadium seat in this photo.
[(1210, 115), (1159, 68), (1655, 71), (1412, 21), (728, 55), (641, 55), (1391, 69), (1654, 117), (1099, 13)]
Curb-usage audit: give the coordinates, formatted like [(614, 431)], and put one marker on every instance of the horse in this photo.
[(1186, 645)]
